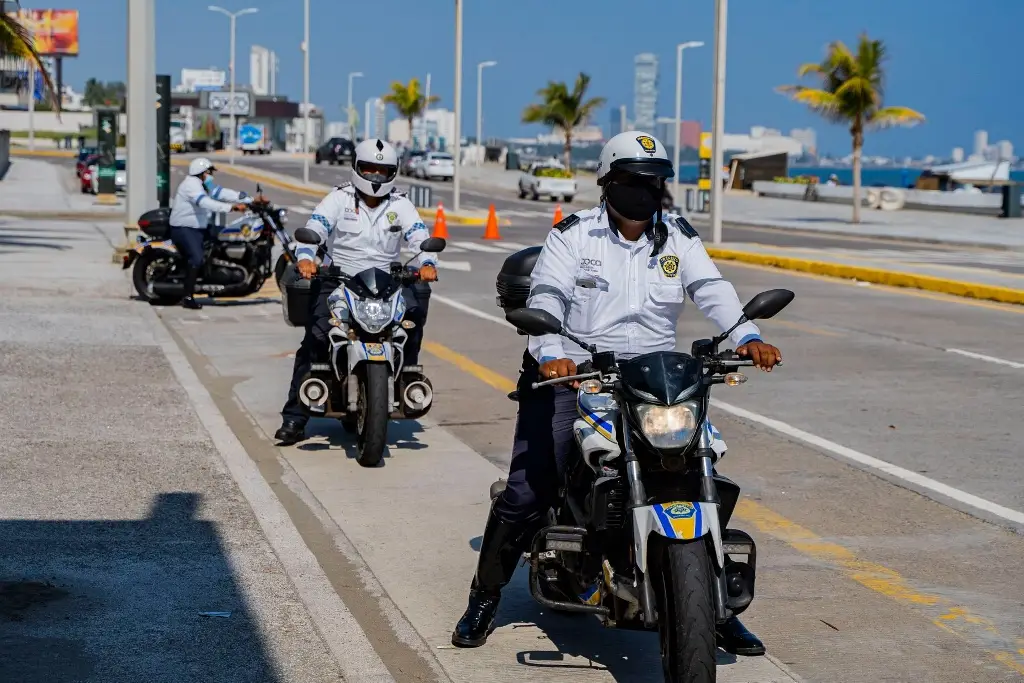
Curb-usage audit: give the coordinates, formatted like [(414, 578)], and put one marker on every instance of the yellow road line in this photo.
[(956, 619)]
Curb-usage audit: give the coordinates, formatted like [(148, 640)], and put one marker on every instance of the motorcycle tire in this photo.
[(279, 268), (373, 414), (686, 619), (140, 278)]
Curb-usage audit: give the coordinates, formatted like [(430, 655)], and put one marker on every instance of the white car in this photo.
[(120, 177), (436, 166), (545, 180)]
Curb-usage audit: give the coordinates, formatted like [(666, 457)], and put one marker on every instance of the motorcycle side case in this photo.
[(156, 223), (297, 298)]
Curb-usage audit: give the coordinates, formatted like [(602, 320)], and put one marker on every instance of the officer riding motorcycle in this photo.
[(362, 225), (197, 197), (617, 277)]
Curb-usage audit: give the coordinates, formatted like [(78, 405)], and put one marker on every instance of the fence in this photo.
[(421, 196)]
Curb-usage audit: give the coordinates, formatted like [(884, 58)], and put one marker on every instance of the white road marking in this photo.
[(474, 246), (969, 499), (513, 246), (454, 265), (989, 359), (874, 463), (299, 209), (310, 203)]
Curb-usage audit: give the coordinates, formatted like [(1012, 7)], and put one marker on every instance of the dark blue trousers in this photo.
[(189, 242)]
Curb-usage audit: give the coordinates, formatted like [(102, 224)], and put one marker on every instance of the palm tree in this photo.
[(15, 41), (565, 110), (408, 100), (852, 87)]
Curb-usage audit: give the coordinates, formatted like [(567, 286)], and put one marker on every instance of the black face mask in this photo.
[(637, 202)]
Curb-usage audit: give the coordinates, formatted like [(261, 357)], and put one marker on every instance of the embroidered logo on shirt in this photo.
[(392, 217), (590, 265), (669, 265)]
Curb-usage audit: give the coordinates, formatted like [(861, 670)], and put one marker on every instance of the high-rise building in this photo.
[(262, 67), (980, 142), (645, 91), (958, 155), (808, 138), (1005, 149), (615, 122), (689, 134)]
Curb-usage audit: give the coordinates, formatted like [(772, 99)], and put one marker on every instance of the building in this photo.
[(808, 138), (262, 70), (580, 134), (980, 142), (958, 155), (616, 122), (645, 91), (689, 132), (437, 131), (380, 118), (1004, 149), (194, 80), (761, 139), (277, 113)]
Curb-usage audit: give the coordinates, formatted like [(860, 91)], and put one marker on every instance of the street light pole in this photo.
[(141, 110), (458, 106), (233, 16), (305, 92), (480, 101), (718, 121), (679, 110), (426, 101), (366, 117), (351, 128)]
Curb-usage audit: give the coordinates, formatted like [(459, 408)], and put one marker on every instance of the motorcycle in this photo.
[(365, 381), (640, 537), (237, 260)]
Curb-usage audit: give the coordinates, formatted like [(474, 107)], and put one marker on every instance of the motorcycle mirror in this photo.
[(534, 321), (767, 304), (307, 236), (433, 244)]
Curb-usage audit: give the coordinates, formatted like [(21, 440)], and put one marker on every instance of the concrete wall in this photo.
[(918, 200), (70, 121)]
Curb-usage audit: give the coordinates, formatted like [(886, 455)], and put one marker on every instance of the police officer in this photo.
[(368, 221), (617, 275), (196, 199)]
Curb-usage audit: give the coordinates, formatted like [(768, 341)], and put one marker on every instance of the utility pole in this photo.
[(141, 109), (718, 121)]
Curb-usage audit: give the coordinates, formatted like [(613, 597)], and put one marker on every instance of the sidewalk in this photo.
[(131, 554), (39, 189)]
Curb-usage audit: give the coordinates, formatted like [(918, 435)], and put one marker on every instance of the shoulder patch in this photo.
[(566, 223), (685, 227), (395, 192)]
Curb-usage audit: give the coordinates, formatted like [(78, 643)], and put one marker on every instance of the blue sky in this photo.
[(951, 60)]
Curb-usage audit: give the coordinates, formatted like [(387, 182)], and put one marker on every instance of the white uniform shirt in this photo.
[(193, 206), (359, 237), (611, 293)]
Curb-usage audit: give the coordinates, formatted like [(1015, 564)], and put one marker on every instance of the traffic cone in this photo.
[(491, 231), (558, 215), (440, 224)]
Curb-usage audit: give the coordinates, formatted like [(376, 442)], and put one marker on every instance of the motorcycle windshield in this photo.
[(372, 283), (664, 377)]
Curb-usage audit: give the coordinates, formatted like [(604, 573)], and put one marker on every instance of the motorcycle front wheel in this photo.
[(150, 267), (686, 619), (372, 427)]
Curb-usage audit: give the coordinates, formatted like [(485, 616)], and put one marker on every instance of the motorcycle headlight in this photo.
[(282, 216), (373, 314), (668, 427)]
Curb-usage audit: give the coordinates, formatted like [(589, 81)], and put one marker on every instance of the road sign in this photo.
[(106, 138), (239, 105)]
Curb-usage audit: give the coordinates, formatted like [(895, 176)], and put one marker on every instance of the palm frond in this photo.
[(16, 41), (889, 117)]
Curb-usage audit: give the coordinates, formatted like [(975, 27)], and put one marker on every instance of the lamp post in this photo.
[(231, 66), (457, 145), (679, 108), (366, 118), (305, 92), (718, 121), (480, 101), (352, 76)]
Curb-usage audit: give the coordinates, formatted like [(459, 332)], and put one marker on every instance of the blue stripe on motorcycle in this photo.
[(697, 520), (666, 524)]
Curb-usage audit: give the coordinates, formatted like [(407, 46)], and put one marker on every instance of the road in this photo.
[(880, 466)]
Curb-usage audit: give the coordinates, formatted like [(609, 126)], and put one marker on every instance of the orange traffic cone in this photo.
[(491, 231), (558, 215), (440, 224)]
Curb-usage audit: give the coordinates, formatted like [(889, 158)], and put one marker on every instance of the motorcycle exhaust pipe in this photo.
[(168, 289), (418, 395), (313, 394)]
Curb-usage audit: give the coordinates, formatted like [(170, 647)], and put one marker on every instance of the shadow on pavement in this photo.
[(401, 437), (123, 601)]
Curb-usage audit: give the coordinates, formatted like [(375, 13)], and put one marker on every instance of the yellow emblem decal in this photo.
[(669, 265), (647, 143), (680, 510), (246, 230), (392, 217), (373, 350)]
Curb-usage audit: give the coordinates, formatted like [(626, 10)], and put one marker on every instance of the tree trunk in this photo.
[(858, 146), (567, 151), (411, 146)]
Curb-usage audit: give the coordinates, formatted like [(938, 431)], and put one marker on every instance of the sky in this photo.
[(951, 60)]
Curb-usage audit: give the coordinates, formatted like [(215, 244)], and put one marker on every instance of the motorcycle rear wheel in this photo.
[(142, 273), (373, 414), (686, 619)]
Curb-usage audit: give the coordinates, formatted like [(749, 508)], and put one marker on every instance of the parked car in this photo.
[(83, 155), (336, 151), (547, 180), (411, 158), (120, 177), (436, 166)]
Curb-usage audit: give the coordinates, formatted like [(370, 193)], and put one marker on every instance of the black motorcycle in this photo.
[(237, 259), (640, 536)]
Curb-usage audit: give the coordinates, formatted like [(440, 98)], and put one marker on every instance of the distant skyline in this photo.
[(953, 62)]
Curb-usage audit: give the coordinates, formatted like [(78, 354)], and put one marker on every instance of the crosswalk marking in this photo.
[(486, 248), (299, 209)]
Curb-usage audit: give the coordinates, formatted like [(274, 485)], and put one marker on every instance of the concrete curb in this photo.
[(65, 153), (878, 276), (64, 215)]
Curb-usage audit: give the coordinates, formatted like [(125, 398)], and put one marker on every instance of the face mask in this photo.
[(635, 202), (208, 182)]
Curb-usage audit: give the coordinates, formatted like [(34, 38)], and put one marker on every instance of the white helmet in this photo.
[(200, 165), (375, 167), (634, 152)]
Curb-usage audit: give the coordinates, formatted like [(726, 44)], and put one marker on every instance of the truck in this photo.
[(254, 138), (547, 179), (196, 130)]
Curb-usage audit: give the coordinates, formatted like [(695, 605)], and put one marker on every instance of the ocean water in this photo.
[(870, 177)]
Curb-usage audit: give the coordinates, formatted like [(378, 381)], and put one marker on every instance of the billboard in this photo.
[(195, 80), (55, 30), (241, 105)]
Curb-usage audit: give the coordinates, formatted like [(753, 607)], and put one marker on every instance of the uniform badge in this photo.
[(647, 143), (669, 265), (392, 217)]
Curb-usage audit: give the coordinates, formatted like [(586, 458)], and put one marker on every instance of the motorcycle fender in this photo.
[(374, 352), (680, 521), (142, 247)]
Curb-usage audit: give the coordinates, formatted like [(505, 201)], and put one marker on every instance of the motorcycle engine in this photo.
[(226, 275)]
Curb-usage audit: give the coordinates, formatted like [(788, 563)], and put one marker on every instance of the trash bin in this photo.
[(512, 161), (1011, 201)]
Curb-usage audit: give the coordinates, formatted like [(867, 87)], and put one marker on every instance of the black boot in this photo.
[(733, 637), (500, 550), (291, 432), (191, 275)]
